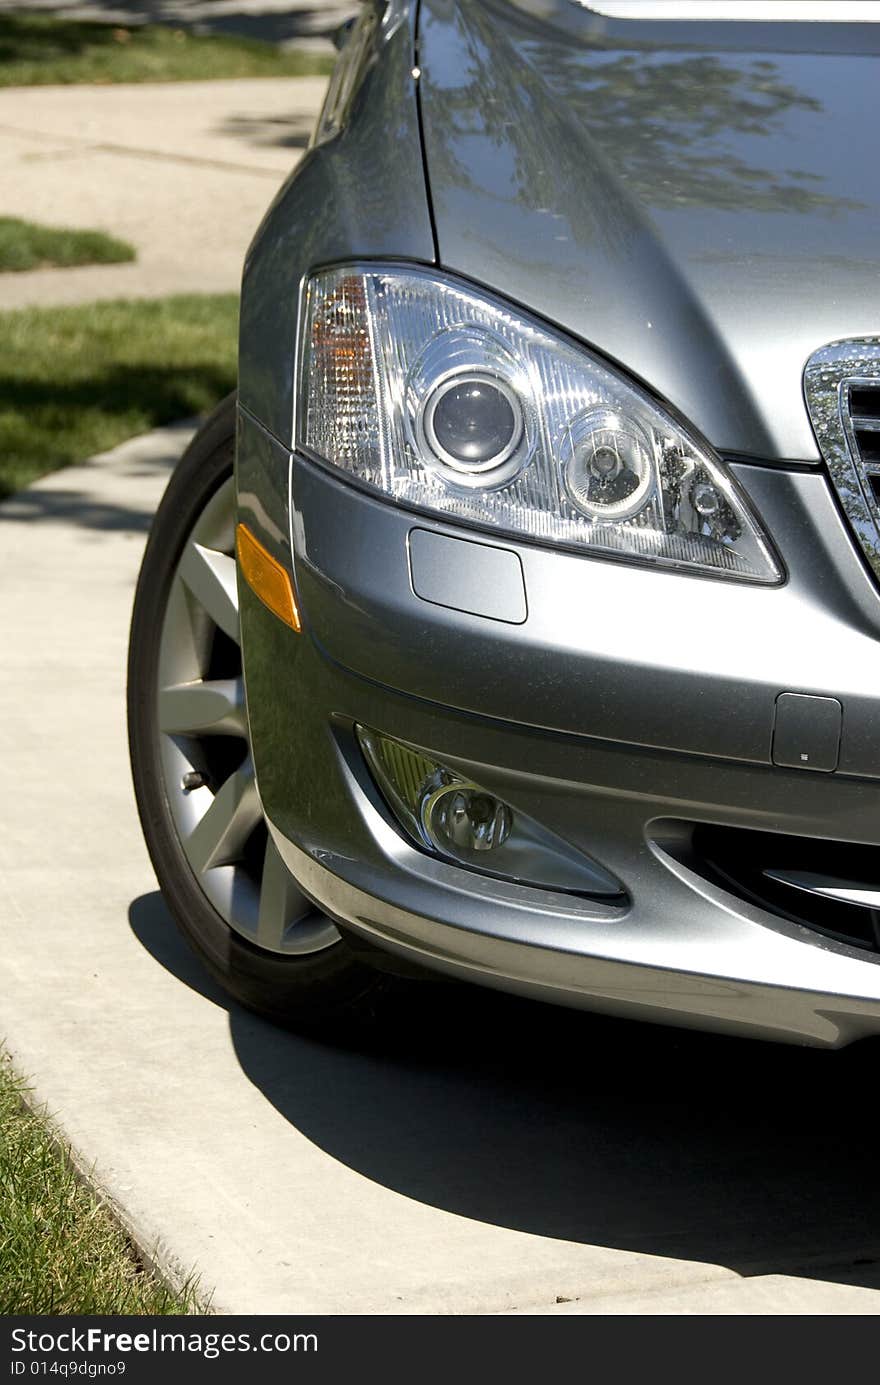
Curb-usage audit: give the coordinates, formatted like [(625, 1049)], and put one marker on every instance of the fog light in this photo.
[(452, 817), (459, 818)]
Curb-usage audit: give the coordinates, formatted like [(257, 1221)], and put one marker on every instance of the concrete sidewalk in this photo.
[(498, 1157), (183, 170), (305, 23)]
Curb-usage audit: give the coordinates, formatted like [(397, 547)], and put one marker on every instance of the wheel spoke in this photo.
[(211, 578), (208, 708), (215, 527), (221, 832), (281, 903), (219, 837)]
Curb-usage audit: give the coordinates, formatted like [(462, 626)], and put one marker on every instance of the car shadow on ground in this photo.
[(611, 1133)]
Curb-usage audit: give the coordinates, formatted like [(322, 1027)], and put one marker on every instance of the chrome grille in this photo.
[(864, 422), (842, 389)]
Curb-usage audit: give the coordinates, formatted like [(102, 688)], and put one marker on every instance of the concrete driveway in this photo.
[(182, 170), (304, 23), (496, 1157)]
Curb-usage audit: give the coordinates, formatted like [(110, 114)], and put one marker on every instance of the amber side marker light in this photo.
[(266, 577)]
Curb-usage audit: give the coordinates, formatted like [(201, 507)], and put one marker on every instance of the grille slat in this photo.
[(864, 403), (864, 418), (869, 450)]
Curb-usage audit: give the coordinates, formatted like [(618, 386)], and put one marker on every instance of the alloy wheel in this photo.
[(205, 753)]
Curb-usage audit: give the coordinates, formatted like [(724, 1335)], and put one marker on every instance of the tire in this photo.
[(309, 979)]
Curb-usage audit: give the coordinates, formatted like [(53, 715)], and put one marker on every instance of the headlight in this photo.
[(452, 403)]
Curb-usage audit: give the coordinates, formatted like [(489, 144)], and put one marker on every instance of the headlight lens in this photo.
[(450, 402), (471, 423)]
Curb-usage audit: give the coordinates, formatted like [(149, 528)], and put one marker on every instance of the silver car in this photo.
[(518, 621)]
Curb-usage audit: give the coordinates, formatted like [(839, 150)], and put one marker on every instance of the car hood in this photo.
[(696, 200)]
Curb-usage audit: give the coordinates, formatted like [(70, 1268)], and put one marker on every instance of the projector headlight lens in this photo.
[(607, 467), (471, 423), (454, 818), (469, 410), (449, 401)]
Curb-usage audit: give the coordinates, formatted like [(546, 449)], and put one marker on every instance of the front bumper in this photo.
[(628, 707)]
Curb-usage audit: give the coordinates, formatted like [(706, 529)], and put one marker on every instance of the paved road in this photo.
[(497, 1157), (183, 170)]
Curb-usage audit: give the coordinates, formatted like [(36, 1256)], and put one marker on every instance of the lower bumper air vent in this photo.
[(830, 887)]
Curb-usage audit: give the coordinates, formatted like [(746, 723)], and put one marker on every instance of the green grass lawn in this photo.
[(25, 245), (77, 380), (60, 1249), (36, 50)]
